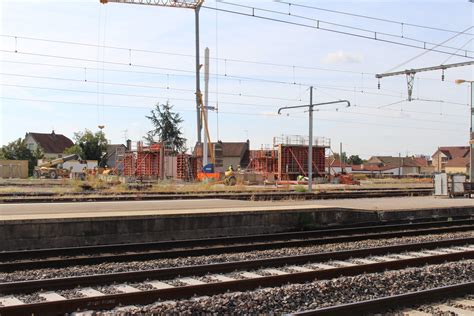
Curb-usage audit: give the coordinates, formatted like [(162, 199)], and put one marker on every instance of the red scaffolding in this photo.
[(293, 156), (186, 167), (145, 162), (264, 161)]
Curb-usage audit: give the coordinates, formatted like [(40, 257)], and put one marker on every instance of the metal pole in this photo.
[(399, 165), (310, 106), (340, 157), (310, 142), (206, 99), (198, 66), (471, 137)]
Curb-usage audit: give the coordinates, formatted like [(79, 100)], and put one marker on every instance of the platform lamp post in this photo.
[(471, 131), (310, 107)]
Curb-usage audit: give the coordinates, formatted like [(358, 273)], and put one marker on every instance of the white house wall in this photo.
[(77, 166)]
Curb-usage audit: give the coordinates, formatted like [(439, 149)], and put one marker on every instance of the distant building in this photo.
[(371, 169), (444, 154), (334, 166), (52, 145), (426, 166), (400, 166), (111, 155), (457, 165), (233, 153)]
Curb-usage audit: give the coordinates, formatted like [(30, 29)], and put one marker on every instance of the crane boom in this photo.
[(186, 4), (162, 3)]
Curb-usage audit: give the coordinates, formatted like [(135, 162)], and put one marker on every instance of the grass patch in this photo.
[(300, 188)]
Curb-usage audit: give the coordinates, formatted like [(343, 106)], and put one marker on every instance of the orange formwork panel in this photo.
[(186, 168), (293, 161), (263, 161), (144, 162)]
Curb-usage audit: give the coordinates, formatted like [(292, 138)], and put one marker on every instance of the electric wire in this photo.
[(234, 103), (143, 86), (235, 77), (230, 113), (429, 50), (319, 27), (129, 50), (128, 95), (224, 102), (371, 17), (319, 22), (461, 47)]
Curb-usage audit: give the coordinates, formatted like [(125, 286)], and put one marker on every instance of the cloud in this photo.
[(341, 57)]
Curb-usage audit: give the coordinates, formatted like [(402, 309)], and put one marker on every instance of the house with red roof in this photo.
[(445, 154), (52, 145), (334, 166), (458, 165), (396, 166)]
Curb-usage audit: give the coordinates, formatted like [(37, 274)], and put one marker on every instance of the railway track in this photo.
[(255, 196), (395, 302), (185, 282), (63, 257)]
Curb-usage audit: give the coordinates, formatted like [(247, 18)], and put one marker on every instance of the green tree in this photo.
[(74, 149), (355, 160), (18, 150), (167, 128), (89, 145)]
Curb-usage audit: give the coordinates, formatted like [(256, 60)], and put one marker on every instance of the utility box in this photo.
[(457, 185), (441, 184)]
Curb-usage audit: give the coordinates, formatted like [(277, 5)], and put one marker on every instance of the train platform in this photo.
[(33, 211), (43, 225)]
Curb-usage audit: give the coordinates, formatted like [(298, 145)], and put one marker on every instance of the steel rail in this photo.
[(382, 304), (259, 191), (218, 249), (233, 196), (182, 292), (199, 270), (241, 239)]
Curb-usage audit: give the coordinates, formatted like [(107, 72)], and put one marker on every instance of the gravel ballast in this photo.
[(112, 267), (316, 294)]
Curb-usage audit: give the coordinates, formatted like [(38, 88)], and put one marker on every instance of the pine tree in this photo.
[(166, 128)]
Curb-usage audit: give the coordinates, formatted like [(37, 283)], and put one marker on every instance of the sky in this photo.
[(72, 65)]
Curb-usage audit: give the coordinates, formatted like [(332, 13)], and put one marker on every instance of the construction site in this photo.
[(287, 160), (189, 157)]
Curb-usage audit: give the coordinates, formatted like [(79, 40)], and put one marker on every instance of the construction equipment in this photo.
[(229, 177), (53, 169), (347, 179)]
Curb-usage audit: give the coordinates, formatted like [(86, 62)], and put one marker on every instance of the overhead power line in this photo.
[(131, 50), (346, 89), (225, 60), (142, 86), (223, 93), (402, 24), (224, 102), (243, 78), (427, 51), (319, 25), (230, 113), (128, 95), (354, 28)]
